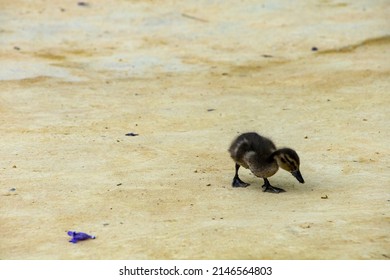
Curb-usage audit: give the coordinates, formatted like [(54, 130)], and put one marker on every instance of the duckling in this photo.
[(259, 155)]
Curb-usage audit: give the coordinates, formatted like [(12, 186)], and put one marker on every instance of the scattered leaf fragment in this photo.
[(131, 134)]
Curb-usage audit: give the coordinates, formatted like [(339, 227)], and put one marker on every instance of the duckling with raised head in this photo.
[(259, 155)]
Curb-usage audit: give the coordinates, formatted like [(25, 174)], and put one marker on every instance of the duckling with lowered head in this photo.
[(260, 156)]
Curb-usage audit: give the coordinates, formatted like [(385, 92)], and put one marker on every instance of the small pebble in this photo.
[(324, 197), (314, 49), (12, 190)]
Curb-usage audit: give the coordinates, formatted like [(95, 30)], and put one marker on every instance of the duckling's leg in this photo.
[(268, 188), (237, 183)]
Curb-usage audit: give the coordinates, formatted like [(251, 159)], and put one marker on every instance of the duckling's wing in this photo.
[(238, 148), (263, 146), (249, 142)]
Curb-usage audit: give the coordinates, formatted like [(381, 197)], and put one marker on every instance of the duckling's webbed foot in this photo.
[(267, 187), (238, 183)]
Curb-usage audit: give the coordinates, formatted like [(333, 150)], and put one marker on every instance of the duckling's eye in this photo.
[(283, 160), (294, 166)]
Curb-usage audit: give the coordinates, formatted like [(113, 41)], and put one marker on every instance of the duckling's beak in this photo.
[(297, 174)]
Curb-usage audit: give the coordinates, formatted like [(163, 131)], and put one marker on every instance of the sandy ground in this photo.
[(187, 77)]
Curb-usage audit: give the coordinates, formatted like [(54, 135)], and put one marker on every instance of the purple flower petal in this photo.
[(78, 236)]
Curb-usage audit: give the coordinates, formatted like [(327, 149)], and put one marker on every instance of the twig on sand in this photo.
[(194, 18)]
